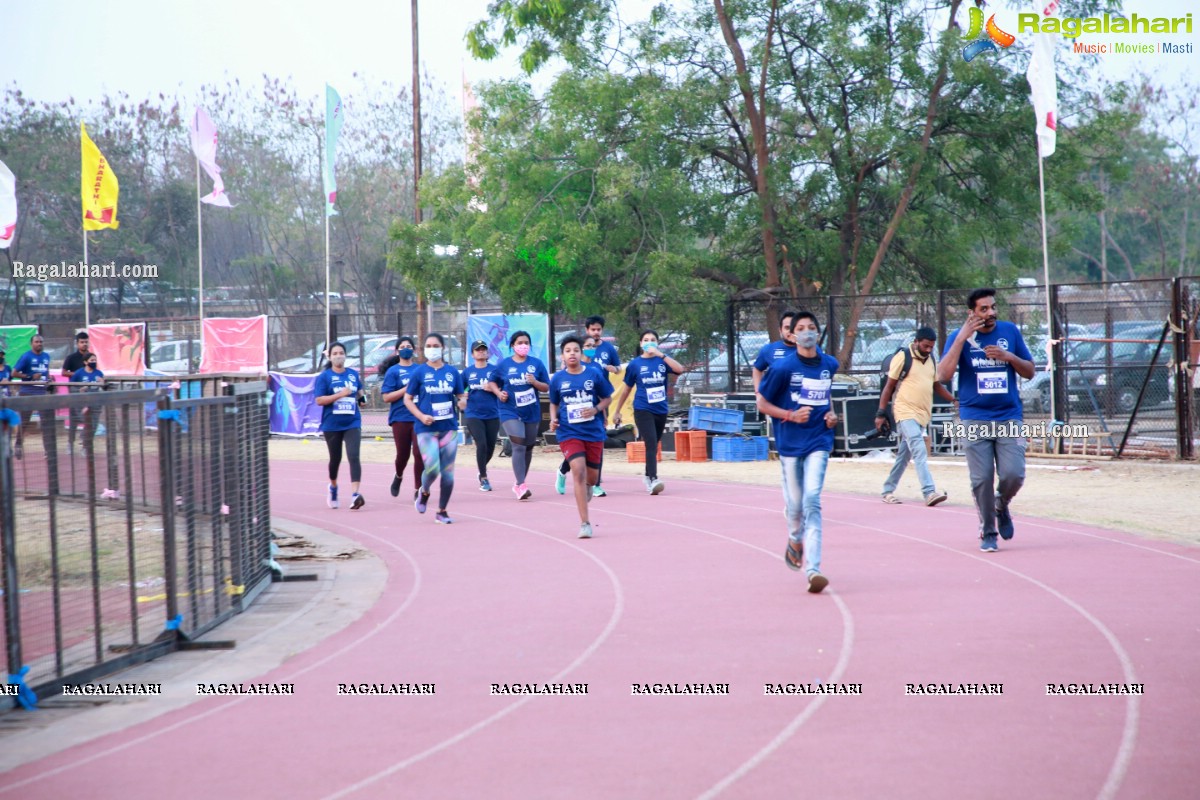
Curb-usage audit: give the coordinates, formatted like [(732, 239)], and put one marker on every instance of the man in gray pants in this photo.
[(989, 355)]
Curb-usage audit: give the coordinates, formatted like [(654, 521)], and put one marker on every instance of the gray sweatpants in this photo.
[(986, 458)]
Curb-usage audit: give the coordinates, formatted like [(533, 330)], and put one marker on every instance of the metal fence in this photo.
[(130, 522)]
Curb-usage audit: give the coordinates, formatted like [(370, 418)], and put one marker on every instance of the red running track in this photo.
[(690, 587)]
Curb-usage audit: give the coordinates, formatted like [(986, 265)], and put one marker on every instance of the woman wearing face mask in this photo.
[(796, 393), (588, 359), (649, 372), (432, 391), (338, 390), (395, 381), (481, 411), (519, 378)]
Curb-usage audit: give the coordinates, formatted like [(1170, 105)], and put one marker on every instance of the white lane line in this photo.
[(416, 587), (617, 612)]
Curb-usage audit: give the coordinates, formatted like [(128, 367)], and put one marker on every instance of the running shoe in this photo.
[(934, 497), (988, 543), (585, 530), (657, 486), (443, 518), (597, 491), (523, 492), (646, 482), (1004, 521), (357, 502), (422, 502), (395, 489), (484, 484), (560, 484), (331, 501), (816, 582)]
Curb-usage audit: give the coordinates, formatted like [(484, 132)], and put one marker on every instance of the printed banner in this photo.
[(294, 409), (98, 187), (14, 341), (232, 344), (120, 348), (495, 329)]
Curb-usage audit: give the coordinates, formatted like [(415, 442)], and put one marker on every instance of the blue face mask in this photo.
[(590, 352), (648, 346), (405, 352)]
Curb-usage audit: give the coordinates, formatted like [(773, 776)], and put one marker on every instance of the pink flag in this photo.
[(1043, 83), (204, 145), (8, 205)]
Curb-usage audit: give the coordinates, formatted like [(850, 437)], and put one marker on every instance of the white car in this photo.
[(171, 356)]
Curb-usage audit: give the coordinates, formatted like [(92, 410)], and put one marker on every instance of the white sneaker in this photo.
[(646, 482), (585, 530), (656, 486)]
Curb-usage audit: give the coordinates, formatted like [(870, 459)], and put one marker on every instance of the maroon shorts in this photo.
[(592, 452)]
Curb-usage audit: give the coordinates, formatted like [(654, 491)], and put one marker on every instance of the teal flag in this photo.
[(333, 127)]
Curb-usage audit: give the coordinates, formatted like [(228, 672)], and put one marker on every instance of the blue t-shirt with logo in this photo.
[(434, 392), (772, 353), (987, 389), (606, 356), (395, 379), (650, 376), (83, 376), (481, 404), (342, 414), (572, 393), (522, 402), (37, 367), (791, 384)]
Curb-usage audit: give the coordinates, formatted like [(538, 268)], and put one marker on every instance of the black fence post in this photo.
[(166, 472), (1181, 326), (8, 552), (731, 343), (831, 326), (1058, 378)]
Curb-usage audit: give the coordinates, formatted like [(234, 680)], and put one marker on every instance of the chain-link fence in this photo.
[(128, 519)]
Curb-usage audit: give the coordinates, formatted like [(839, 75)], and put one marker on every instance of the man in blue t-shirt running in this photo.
[(989, 355)]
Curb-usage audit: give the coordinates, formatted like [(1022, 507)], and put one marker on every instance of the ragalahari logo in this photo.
[(994, 40)]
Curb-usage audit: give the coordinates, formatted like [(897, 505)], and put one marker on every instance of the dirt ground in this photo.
[(1153, 499)]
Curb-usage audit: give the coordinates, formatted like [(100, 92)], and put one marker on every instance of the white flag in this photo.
[(1044, 86), (204, 145), (8, 205)]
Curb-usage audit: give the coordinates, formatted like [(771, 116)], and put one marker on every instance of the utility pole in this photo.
[(422, 327)]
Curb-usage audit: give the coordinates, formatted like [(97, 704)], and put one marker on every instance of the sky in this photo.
[(57, 49)]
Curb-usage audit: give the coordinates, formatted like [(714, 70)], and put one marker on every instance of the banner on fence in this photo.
[(120, 348), (294, 409), (496, 328), (14, 341), (230, 344)]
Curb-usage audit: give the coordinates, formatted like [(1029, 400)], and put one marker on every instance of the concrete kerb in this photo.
[(287, 619)]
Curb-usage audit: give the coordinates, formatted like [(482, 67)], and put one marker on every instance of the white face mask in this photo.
[(338, 360), (806, 339), (433, 353)]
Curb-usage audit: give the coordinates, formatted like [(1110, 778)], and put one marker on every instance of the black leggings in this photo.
[(352, 438), (485, 432), (650, 429)]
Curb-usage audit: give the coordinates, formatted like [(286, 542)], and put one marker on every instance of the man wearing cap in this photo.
[(912, 410)]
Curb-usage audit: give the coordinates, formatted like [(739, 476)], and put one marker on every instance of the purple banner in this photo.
[(294, 411)]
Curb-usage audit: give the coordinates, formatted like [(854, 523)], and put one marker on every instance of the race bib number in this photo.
[(345, 405), (656, 394), (525, 397), (575, 412), (991, 382), (813, 392), (443, 410)]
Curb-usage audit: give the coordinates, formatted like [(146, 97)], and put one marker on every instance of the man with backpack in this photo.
[(911, 380)]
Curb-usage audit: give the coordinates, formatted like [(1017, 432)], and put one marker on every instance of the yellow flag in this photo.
[(98, 188)]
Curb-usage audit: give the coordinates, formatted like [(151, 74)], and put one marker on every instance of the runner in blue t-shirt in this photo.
[(650, 373), (579, 396), (989, 355), (605, 359), (33, 370), (88, 374), (433, 390), (796, 392), (401, 420), (519, 378), (338, 390), (482, 410), (772, 353), (590, 344)]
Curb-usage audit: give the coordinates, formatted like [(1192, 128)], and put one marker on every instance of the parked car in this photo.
[(171, 356), (1091, 381), (714, 375)]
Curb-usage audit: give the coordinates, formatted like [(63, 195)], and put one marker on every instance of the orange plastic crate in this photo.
[(691, 445), (635, 452)]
